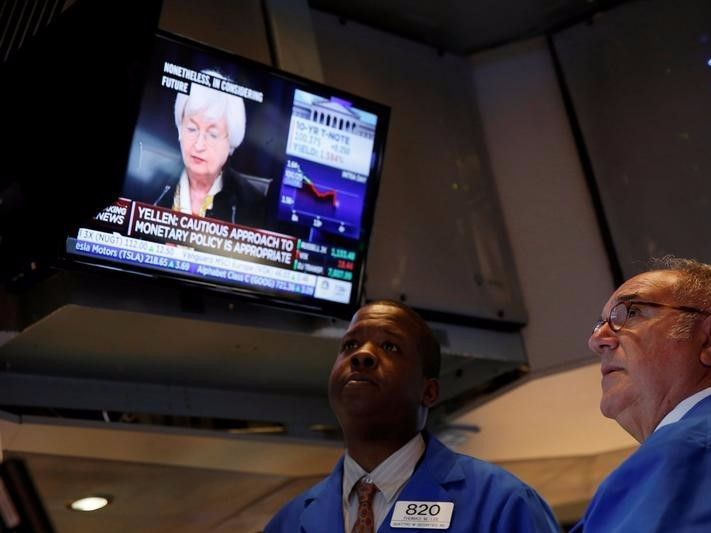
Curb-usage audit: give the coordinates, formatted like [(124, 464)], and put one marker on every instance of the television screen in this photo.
[(246, 178)]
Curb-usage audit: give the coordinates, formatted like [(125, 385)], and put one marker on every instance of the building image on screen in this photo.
[(244, 178), (330, 147)]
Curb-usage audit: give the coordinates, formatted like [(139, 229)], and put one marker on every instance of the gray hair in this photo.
[(692, 288), (214, 104)]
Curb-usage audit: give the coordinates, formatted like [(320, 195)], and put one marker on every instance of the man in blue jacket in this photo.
[(395, 475), (654, 343)]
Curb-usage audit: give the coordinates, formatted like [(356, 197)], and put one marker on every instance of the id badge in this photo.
[(422, 515)]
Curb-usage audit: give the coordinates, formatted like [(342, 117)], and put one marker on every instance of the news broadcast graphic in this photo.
[(289, 217), (330, 149)]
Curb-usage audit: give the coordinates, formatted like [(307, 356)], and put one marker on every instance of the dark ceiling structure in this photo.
[(466, 26)]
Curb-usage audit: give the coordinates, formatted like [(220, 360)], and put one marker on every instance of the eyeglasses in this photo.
[(620, 312), (212, 137)]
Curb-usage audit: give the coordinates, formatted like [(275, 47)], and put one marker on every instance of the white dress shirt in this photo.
[(389, 476), (683, 407), (181, 200)]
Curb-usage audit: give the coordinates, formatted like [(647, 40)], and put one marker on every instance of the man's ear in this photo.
[(431, 392), (705, 355)]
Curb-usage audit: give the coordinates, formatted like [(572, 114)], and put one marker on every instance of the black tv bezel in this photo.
[(310, 305)]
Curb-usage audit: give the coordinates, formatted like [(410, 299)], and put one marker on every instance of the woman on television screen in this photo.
[(211, 124)]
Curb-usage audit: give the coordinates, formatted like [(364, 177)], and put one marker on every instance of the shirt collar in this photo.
[(182, 199), (390, 475), (683, 407)]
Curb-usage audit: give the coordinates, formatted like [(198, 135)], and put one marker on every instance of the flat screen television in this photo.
[(246, 179)]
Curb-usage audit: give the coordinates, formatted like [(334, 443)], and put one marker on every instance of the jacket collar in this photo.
[(323, 502), (438, 468)]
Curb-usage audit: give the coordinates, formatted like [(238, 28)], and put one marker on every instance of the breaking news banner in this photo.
[(157, 224), (115, 216), (223, 238)]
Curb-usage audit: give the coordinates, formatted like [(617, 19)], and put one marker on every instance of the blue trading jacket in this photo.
[(665, 485), (486, 498)]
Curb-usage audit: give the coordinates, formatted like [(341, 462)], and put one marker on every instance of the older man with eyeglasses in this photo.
[(654, 343)]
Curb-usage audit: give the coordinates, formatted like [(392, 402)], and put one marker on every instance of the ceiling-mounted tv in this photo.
[(245, 178)]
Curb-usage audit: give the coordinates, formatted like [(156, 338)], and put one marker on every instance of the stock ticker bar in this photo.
[(162, 239)]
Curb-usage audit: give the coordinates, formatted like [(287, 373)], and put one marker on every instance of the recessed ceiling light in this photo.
[(90, 503)]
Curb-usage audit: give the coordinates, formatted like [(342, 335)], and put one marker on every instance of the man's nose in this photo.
[(364, 358), (602, 338)]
